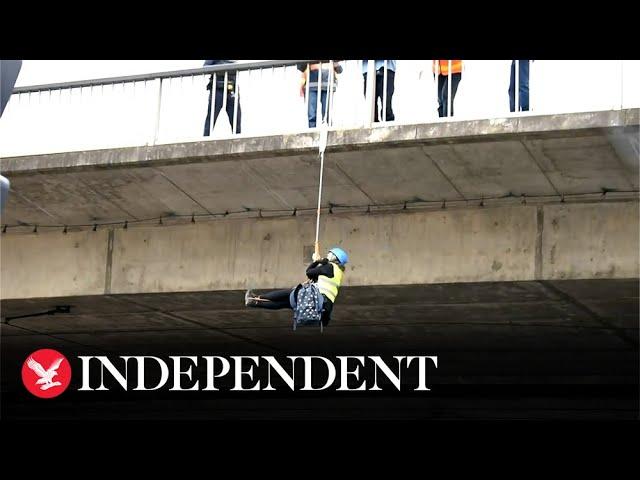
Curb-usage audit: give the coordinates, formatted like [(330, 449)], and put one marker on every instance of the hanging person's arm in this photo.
[(320, 267)]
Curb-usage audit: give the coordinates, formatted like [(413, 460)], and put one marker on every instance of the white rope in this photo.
[(319, 200), (322, 145)]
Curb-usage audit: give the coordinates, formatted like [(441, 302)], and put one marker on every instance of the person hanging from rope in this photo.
[(327, 273)]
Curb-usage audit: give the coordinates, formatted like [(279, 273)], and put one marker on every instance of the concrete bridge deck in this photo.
[(547, 155)]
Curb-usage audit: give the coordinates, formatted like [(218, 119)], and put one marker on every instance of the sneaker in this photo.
[(249, 298)]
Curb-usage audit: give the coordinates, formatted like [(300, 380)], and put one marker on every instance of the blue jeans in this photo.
[(523, 91), (313, 105)]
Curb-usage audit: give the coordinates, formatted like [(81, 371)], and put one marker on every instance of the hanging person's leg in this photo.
[(326, 311), (274, 300)]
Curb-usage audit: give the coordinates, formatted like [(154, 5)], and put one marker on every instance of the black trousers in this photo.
[(279, 299), (443, 92), (391, 75), (231, 100)]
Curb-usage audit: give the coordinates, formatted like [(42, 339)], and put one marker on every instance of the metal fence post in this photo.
[(157, 127)]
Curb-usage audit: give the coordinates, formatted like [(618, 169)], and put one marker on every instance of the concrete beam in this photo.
[(516, 243), (54, 264)]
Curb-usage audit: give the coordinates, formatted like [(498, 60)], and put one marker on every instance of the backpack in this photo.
[(307, 305)]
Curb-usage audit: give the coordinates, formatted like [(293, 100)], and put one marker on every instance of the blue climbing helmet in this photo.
[(340, 254)]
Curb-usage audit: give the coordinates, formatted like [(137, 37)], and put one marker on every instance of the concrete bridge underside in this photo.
[(564, 349)]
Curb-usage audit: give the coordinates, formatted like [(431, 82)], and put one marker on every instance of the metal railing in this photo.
[(261, 98)]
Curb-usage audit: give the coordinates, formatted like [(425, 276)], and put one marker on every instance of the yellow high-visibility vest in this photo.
[(329, 285)]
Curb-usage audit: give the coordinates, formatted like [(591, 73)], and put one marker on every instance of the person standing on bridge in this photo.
[(220, 89), (523, 87), (385, 97), (327, 273), (310, 76), (441, 69)]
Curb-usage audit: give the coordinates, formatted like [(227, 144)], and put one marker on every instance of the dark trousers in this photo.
[(523, 90), (279, 299), (443, 92), (231, 98), (391, 75)]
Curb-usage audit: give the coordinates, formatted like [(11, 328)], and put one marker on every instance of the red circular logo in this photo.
[(46, 373)]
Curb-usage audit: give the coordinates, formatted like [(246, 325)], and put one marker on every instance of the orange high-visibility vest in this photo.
[(442, 66)]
